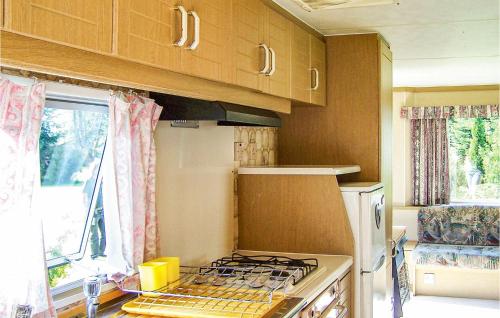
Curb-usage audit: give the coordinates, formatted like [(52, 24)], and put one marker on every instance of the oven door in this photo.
[(326, 305)]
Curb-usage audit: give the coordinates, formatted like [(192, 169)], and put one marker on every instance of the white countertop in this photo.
[(360, 186), (300, 170), (330, 267)]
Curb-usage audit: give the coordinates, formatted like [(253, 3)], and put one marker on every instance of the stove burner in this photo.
[(276, 269)]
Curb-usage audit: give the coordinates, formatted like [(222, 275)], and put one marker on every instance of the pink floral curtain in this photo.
[(23, 272), (129, 180), (430, 165)]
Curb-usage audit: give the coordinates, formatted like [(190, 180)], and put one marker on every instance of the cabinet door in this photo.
[(300, 65), (318, 64), (147, 32), (279, 37), (248, 33), (211, 59), (82, 23)]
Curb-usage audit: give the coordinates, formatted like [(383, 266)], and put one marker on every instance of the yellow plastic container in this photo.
[(153, 275), (173, 267)]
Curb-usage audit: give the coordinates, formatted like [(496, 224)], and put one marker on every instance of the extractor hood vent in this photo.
[(313, 5), (185, 109)]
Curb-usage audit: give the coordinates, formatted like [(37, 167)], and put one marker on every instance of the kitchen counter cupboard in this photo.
[(245, 43)]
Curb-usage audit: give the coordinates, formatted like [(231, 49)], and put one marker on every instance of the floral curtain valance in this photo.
[(445, 112)]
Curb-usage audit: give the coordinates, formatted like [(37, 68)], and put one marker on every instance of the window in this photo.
[(72, 142), (474, 159)]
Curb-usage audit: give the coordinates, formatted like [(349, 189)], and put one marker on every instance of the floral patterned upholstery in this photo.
[(459, 225), (459, 236), (476, 257)]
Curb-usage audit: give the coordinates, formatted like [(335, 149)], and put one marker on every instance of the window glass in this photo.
[(474, 159), (72, 142)]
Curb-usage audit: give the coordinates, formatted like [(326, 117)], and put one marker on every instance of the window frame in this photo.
[(83, 104)]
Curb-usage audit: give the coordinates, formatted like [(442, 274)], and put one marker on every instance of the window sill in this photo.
[(72, 302)]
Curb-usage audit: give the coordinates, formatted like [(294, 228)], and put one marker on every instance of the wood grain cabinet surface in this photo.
[(246, 43), (210, 58), (248, 18), (261, 49), (147, 31), (308, 67), (82, 23), (318, 69)]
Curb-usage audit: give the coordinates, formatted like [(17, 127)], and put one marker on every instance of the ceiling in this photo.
[(434, 42)]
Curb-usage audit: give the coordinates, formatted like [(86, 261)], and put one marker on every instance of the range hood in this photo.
[(226, 114)]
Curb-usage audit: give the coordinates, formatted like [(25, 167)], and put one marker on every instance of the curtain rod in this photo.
[(71, 81)]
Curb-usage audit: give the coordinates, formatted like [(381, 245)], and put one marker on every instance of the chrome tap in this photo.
[(92, 290)]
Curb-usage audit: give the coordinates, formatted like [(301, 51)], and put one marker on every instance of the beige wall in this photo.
[(403, 213), (195, 191)]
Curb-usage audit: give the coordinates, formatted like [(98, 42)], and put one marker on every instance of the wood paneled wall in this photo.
[(293, 213), (347, 130)]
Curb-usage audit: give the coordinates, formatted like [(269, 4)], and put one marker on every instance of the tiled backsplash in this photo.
[(255, 146)]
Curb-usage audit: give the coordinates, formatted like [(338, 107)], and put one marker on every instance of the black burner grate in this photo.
[(280, 267)]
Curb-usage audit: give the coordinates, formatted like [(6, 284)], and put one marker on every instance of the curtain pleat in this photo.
[(129, 181), (429, 156), (23, 271)]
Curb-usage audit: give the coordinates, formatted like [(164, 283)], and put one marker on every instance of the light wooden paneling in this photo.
[(248, 32), (300, 65), (385, 156), (347, 130), (82, 23), (212, 58), (293, 213), (24, 52), (318, 61), (146, 32), (279, 37)]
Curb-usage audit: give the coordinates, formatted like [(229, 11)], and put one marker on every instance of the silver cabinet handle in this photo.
[(184, 25), (316, 79), (273, 62), (266, 59), (196, 39)]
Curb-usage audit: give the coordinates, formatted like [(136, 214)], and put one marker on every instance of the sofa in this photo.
[(458, 252)]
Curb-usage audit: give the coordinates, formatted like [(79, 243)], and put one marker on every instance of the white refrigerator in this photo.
[(365, 206)]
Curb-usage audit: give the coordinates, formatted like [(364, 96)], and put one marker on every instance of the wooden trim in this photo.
[(447, 88), (79, 310), (276, 7), (23, 52)]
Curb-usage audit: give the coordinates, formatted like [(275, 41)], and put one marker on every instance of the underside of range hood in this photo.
[(178, 108), (314, 5)]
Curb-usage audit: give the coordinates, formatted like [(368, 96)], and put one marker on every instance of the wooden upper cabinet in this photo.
[(248, 33), (207, 53), (82, 23), (318, 71), (147, 32), (308, 67), (301, 65), (279, 37), (261, 48)]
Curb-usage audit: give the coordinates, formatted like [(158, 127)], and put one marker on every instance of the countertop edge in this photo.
[(312, 170)]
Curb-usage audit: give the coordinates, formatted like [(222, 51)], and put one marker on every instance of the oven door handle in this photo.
[(333, 305)]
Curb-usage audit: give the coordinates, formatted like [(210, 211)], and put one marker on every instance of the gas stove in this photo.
[(275, 268)]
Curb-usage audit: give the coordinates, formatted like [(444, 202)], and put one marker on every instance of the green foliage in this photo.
[(460, 136), (70, 140), (479, 145), (57, 273), (49, 138), (476, 139)]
